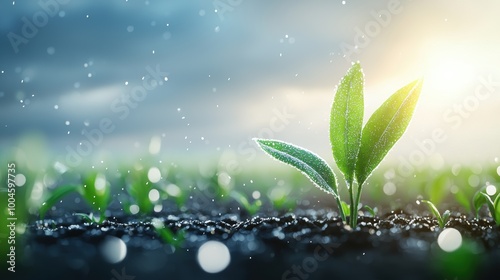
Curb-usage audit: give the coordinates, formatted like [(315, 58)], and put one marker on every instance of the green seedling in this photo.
[(139, 188), (280, 198), (462, 199), (251, 208), (442, 220), (95, 190), (371, 211), (356, 150), (167, 235), (89, 218), (481, 198)]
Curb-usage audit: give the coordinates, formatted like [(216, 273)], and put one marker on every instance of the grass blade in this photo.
[(315, 168), (481, 198), (346, 121), (463, 200), (385, 127), (139, 188), (96, 192), (435, 212), (477, 201), (251, 208), (58, 193), (496, 205), (433, 208)]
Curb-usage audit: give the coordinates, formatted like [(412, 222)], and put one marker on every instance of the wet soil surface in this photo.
[(307, 244)]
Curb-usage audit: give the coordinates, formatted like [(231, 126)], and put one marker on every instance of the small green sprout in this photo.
[(95, 190), (251, 208), (481, 198), (281, 199), (90, 218), (356, 150), (442, 220), (167, 235), (371, 211), (141, 190)]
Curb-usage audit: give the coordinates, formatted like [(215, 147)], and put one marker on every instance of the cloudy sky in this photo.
[(204, 77)]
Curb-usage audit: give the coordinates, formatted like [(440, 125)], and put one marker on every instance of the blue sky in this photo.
[(222, 72)]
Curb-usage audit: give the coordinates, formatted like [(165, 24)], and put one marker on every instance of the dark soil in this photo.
[(306, 245)]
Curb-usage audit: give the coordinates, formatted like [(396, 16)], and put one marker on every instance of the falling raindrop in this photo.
[(173, 190), (256, 195), (134, 209), (154, 195), (389, 188), (491, 190), (113, 249), (213, 256), (51, 50), (473, 180), (449, 240), (20, 180), (155, 145), (154, 175)]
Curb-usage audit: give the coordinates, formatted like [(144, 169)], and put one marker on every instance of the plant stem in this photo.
[(358, 197), (341, 210), (352, 207)]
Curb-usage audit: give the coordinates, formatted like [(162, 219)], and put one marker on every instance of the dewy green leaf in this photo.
[(315, 168), (477, 201), (385, 127), (481, 198), (96, 192), (55, 197), (496, 205), (436, 213), (346, 121)]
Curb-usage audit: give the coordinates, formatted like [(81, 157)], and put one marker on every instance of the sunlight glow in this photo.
[(448, 72)]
